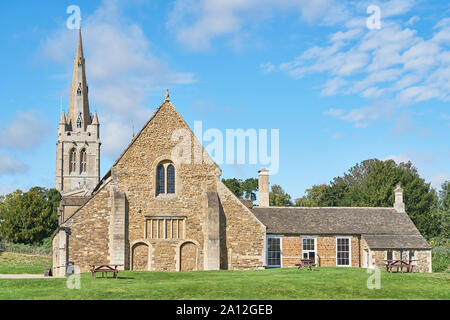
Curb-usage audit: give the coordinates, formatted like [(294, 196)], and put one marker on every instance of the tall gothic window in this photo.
[(73, 161), (160, 179), (170, 179), (83, 160), (165, 178)]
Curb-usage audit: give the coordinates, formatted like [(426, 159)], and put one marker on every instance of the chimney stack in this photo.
[(399, 205), (263, 188)]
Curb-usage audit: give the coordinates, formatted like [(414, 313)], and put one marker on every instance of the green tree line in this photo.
[(29, 217), (371, 183)]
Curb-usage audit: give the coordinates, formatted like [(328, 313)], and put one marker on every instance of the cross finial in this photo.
[(167, 97)]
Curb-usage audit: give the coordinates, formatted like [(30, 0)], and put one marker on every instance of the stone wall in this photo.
[(88, 236), (242, 236), (423, 257), (325, 251)]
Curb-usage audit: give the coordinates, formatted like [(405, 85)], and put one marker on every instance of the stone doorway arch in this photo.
[(140, 256), (188, 256)]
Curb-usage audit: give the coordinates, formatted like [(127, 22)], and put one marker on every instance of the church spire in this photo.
[(79, 116)]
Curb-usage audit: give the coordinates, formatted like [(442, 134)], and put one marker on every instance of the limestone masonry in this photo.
[(154, 212)]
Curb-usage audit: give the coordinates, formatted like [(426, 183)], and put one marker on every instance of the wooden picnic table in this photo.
[(104, 269), (308, 263), (399, 264)]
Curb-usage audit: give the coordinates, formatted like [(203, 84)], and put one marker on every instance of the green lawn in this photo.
[(15, 263), (322, 283)]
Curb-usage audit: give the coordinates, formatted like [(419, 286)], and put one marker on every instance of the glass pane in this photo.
[(160, 180), (273, 252), (170, 179)]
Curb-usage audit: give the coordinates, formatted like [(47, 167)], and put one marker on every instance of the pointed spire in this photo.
[(80, 45), (95, 119), (167, 97), (62, 119), (79, 103)]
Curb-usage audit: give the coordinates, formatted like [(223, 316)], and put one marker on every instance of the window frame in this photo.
[(274, 236), (160, 176), (173, 185), (162, 192), (73, 161), (349, 238), (314, 238), (389, 251), (83, 161)]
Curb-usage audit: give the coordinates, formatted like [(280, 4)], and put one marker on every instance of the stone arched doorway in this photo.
[(188, 257), (140, 257)]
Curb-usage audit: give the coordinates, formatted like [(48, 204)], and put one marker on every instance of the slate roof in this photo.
[(396, 241), (74, 201), (344, 221)]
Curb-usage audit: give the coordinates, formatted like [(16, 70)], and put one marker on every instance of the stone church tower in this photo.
[(78, 145)]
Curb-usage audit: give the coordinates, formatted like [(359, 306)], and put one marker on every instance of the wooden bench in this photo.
[(399, 264), (307, 263), (104, 269)]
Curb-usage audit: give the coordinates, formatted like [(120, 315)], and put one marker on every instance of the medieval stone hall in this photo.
[(153, 212)]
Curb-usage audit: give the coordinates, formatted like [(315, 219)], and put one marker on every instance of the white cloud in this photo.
[(392, 64), (122, 72), (361, 117), (196, 24), (24, 131), (10, 166)]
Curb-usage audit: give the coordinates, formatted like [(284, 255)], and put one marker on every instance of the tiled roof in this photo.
[(336, 220), (396, 241), (74, 201)]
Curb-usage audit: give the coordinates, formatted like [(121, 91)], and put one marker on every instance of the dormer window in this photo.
[(79, 90)]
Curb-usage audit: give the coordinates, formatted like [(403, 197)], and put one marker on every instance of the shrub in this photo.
[(441, 259)]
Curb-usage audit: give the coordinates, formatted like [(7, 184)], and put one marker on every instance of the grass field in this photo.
[(15, 263), (322, 283)]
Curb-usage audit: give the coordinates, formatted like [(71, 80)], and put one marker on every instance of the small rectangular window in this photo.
[(389, 255)]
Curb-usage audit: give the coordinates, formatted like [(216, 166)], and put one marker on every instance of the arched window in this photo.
[(160, 180), (73, 161), (170, 179), (83, 161), (165, 178), (79, 121)]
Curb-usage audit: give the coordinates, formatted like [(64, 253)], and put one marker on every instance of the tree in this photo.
[(371, 183), (442, 212), (249, 187), (29, 217), (313, 197), (278, 197), (444, 196), (235, 185)]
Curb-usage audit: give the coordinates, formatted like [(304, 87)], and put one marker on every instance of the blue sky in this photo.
[(338, 92)]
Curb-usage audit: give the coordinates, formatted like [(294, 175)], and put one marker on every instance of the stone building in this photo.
[(78, 144), (160, 207)]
